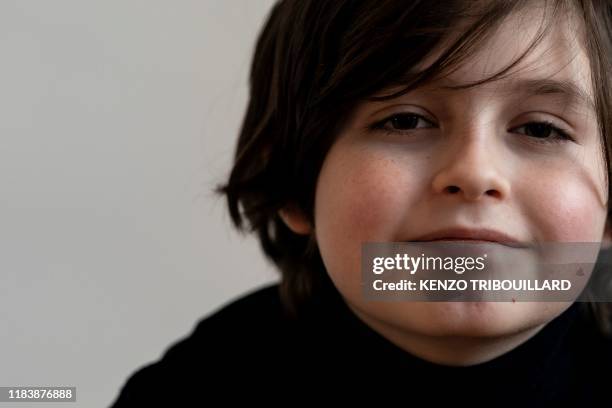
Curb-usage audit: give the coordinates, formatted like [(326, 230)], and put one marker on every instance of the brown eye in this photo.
[(540, 130), (546, 132), (403, 122)]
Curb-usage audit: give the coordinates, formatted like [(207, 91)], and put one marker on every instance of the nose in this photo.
[(471, 169)]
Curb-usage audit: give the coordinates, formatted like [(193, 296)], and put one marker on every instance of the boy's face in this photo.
[(469, 162)]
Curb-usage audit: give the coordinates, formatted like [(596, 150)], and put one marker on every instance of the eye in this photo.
[(538, 131), (544, 132), (402, 123)]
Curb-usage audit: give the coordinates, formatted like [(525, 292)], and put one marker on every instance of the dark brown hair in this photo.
[(316, 59)]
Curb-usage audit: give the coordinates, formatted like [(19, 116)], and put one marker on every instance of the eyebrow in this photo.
[(573, 94)]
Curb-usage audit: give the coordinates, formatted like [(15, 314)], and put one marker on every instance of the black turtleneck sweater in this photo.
[(250, 350)]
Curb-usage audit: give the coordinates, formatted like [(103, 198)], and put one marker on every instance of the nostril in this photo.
[(452, 189)]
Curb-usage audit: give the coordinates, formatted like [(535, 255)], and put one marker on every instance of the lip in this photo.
[(473, 235)]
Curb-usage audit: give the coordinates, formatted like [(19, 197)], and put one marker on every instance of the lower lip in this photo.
[(477, 241), (462, 239)]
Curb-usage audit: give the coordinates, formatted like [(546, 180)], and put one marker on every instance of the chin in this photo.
[(486, 319), (475, 319)]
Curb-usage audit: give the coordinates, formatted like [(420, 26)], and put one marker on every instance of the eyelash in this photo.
[(561, 135)]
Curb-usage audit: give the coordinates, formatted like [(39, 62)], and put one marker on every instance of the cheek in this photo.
[(569, 209), (359, 197)]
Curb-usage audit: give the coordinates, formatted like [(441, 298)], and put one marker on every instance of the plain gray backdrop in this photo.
[(118, 118)]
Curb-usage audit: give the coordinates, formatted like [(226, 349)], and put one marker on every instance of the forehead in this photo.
[(557, 64)]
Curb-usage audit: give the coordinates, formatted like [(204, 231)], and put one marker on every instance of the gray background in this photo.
[(117, 118)]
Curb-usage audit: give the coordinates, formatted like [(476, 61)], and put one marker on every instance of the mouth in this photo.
[(485, 236)]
